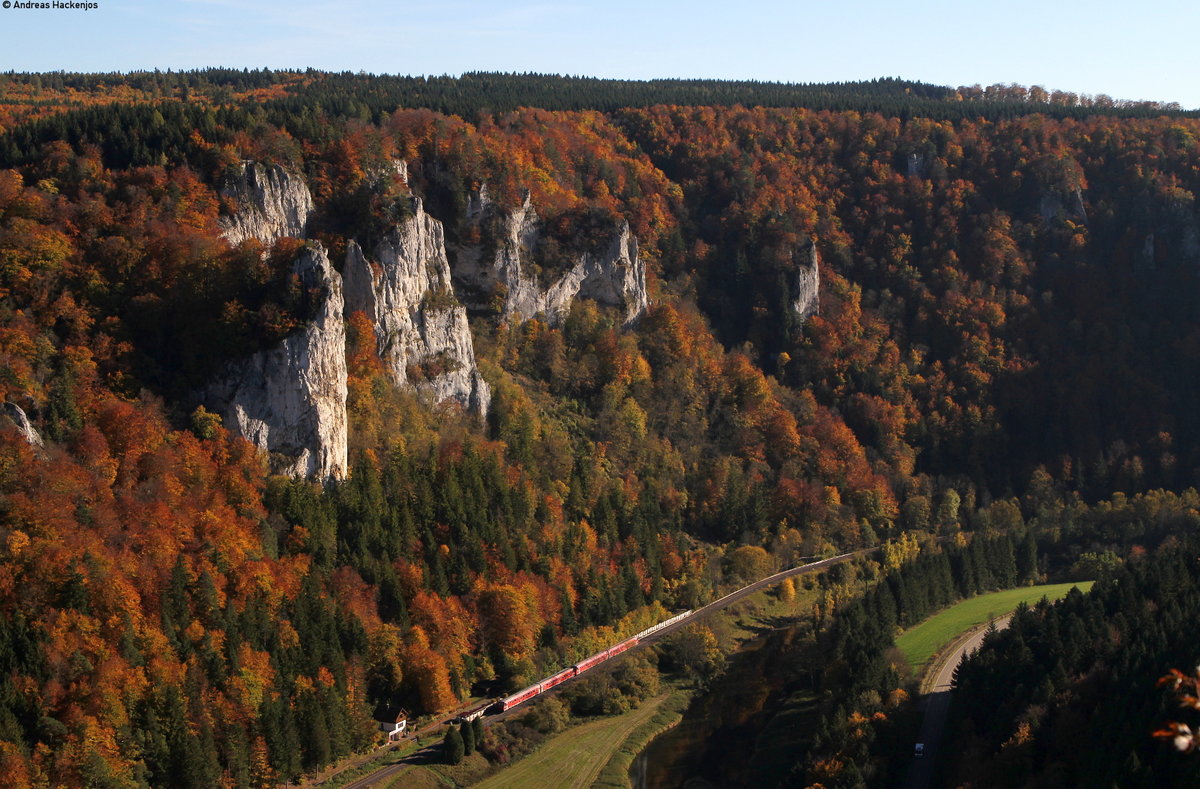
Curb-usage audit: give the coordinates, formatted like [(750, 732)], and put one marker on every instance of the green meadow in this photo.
[(919, 644)]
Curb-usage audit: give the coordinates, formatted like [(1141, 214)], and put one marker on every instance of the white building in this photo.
[(392, 720)]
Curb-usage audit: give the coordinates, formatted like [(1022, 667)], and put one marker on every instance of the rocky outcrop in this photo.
[(1145, 258), (291, 400), (1062, 203), (499, 269), (269, 203), (421, 328), (1189, 245), (377, 176), (917, 165), (808, 282), (1174, 237), (16, 416)]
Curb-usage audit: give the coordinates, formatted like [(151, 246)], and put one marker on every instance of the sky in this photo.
[(1125, 50)]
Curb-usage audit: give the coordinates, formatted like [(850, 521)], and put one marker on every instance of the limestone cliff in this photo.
[(917, 165), (269, 203), (421, 328), (499, 268), (808, 282), (1062, 203), (16, 416), (1174, 235), (290, 400)]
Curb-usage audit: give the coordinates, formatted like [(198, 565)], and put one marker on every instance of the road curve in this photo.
[(937, 687)]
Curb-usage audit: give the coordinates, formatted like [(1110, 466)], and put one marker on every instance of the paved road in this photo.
[(392, 770), (937, 687), (377, 777)]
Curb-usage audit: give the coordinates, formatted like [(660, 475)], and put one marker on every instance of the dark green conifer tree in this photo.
[(453, 748), (468, 737)]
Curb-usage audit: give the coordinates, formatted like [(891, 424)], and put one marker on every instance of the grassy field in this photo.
[(920, 643), (573, 759), (442, 776), (616, 772)]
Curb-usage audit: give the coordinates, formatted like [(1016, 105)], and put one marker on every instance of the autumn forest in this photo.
[(960, 322)]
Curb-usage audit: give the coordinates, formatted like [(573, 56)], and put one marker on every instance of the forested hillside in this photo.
[(873, 309), (1066, 695)]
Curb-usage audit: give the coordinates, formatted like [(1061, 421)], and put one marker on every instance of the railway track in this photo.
[(659, 632)]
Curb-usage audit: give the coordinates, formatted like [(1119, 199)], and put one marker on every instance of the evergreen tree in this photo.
[(315, 744), (1027, 559), (453, 747), (477, 731), (468, 737)]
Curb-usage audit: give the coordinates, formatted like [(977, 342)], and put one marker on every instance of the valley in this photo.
[(326, 394)]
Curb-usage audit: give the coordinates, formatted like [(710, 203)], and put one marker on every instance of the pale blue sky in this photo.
[(1128, 50)]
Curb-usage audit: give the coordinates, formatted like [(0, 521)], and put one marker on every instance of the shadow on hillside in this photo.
[(430, 754)]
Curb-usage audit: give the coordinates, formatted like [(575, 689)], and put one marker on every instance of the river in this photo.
[(733, 734)]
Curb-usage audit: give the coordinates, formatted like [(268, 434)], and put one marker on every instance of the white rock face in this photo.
[(421, 328), (271, 203), (918, 165), (291, 400), (616, 276), (808, 282), (1057, 203), (17, 417)]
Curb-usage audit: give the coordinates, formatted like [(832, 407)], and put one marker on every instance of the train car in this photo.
[(648, 631), (525, 694), (665, 623), (558, 678), (591, 661), (621, 647), (677, 617)]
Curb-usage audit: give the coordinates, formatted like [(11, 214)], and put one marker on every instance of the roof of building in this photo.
[(389, 713)]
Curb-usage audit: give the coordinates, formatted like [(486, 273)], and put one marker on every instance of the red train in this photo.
[(525, 694)]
